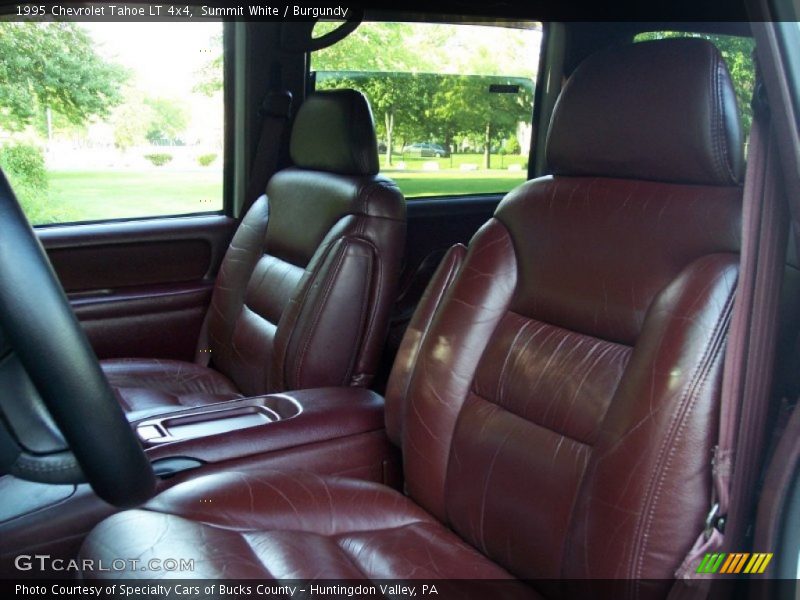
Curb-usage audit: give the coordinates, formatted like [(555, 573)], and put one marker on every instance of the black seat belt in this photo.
[(275, 112)]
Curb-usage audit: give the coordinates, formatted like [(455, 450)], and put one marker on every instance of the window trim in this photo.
[(233, 38), (548, 87)]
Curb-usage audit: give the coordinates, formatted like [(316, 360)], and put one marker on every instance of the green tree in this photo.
[(465, 105), (386, 99), (431, 48), (210, 76), (511, 145), (54, 65), (375, 47), (24, 166), (168, 119), (131, 122)]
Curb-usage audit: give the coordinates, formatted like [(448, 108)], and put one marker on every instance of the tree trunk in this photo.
[(388, 118), (487, 148)]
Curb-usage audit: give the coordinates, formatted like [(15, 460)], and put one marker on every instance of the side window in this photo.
[(452, 103), (738, 55), (102, 120)]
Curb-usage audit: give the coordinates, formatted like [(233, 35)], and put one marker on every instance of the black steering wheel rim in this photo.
[(39, 326)]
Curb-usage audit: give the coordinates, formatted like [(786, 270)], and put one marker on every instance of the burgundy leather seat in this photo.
[(303, 293), (556, 396)]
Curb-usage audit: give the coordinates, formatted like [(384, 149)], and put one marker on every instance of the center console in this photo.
[(217, 419), (336, 431)]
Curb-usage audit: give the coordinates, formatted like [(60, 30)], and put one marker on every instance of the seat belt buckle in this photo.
[(713, 521)]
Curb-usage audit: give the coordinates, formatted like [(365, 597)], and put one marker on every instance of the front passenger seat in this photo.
[(302, 296), (559, 387)]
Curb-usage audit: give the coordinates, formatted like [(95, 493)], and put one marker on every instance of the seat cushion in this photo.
[(144, 385), (289, 525)]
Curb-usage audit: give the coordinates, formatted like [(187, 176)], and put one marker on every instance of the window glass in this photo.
[(738, 55), (112, 120), (452, 103)]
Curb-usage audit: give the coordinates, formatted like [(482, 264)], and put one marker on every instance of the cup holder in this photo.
[(219, 418)]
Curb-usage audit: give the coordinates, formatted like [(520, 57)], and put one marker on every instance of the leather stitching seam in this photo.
[(371, 308), (295, 307), (317, 315), (697, 382)]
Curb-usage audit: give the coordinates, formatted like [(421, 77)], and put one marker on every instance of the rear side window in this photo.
[(738, 54), (102, 120), (452, 103)]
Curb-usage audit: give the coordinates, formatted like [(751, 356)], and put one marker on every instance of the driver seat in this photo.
[(556, 396)]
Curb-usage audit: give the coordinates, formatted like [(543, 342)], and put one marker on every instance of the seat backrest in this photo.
[(557, 396), (303, 293)]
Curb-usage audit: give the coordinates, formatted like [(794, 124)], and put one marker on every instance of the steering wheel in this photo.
[(60, 422)]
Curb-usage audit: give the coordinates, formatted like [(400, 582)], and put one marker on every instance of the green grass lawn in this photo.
[(96, 195), (499, 162), (91, 195), (452, 183)]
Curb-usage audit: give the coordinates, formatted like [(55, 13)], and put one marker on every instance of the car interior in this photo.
[(581, 385)]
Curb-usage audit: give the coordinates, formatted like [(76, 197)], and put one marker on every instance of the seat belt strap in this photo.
[(748, 361), (275, 111)]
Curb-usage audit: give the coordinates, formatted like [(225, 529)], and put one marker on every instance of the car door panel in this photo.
[(158, 321), (140, 288)]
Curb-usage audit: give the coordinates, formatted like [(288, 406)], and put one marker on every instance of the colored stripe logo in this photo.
[(735, 563)]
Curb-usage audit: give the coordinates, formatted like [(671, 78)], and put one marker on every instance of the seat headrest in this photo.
[(663, 111), (334, 132)]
